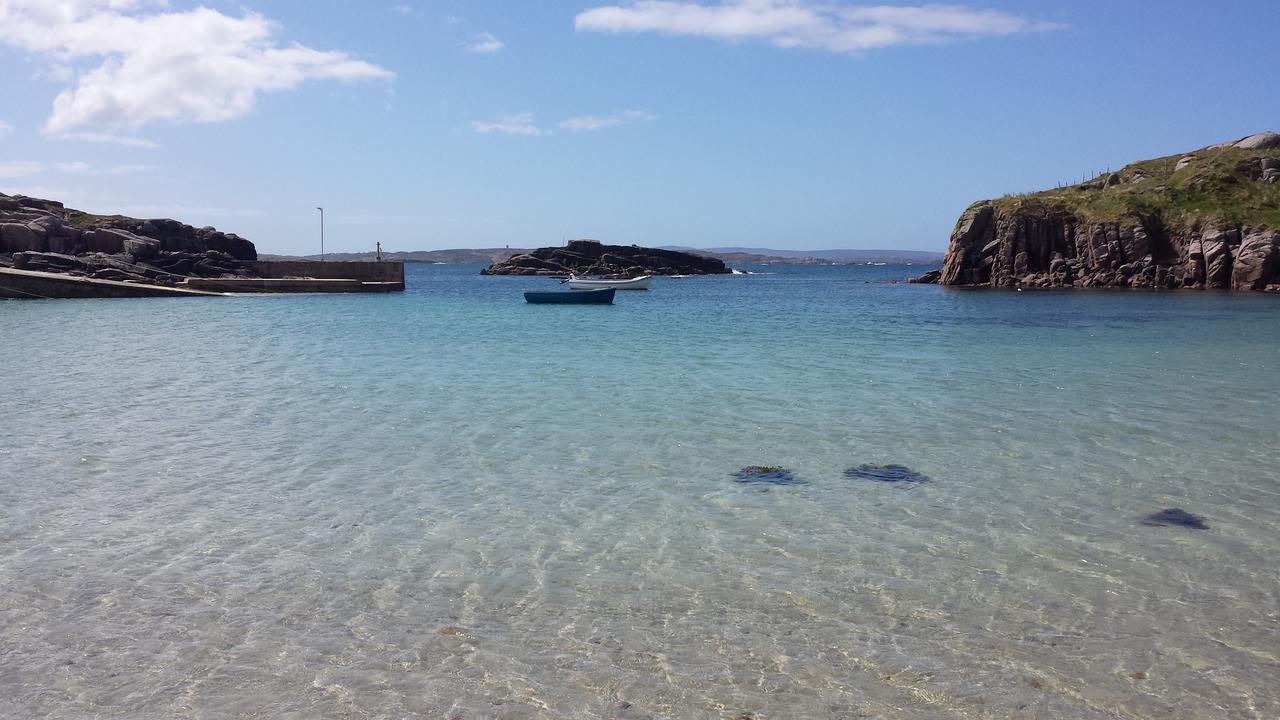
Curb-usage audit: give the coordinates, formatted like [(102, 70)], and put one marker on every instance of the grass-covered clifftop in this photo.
[(1226, 184), (1203, 219)]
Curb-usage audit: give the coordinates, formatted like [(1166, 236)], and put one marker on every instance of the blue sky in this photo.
[(770, 123)]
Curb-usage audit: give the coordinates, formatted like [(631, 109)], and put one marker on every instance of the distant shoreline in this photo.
[(735, 256)]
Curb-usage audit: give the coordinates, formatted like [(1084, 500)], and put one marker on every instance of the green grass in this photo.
[(1217, 187)]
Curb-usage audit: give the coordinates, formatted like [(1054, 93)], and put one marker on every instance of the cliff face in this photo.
[(1208, 219), (588, 257), (43, 235)]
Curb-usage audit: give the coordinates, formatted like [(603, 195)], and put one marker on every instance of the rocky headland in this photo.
[(589, 257), (42, 235), (1209, 218)]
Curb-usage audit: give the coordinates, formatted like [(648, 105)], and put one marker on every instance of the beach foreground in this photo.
[(446, 503)]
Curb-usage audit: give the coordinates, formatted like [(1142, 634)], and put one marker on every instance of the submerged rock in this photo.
[(885, 473), (768, 474), (1175, 516)]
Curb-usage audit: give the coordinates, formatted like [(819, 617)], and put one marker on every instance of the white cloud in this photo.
[(597, 122), (14, 169), (485, 43), (812, 24), (518, 124), (82, 168), (97, 137), (135, 64), (5, 129), (29, 168), (404, 10)]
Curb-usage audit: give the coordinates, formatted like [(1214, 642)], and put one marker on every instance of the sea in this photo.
[(447, 503)]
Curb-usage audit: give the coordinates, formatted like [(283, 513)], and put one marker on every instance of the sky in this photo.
[(430, 124)]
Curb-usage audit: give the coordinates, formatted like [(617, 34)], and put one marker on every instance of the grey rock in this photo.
[(929, 278), (141, 248), (1257, 262), (1261, 141), (103, 240), (64, 244), (16, 237)]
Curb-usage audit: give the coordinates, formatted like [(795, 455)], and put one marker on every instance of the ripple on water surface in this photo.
[(450, 504)]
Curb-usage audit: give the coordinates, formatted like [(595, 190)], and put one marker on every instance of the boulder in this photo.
[(1183, 162), (53, 262), (766, 474), (141, 248), (46, 225), (65, 244), (38, 204), (18, 237), (1261, 141), (1257, 262), (103, 240)]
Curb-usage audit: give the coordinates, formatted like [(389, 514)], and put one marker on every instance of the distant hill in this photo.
[(746, 255), (731, 255), (459, 256)]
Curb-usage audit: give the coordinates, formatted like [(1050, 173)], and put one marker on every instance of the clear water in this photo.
[(451, 504)]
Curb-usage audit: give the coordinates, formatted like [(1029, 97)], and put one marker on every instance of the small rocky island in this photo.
[(1203, 219), (589, 257)]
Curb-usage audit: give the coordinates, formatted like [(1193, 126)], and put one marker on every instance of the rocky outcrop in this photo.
[(43, 235), (1197, 220), (588, 257), (1010, 249)]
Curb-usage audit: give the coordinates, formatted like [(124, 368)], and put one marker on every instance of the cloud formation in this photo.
[(597, 122), (14, 169), (523, 124), (829, 26), (485, 43), (5, 129), (134, 64), (518, 124), (29, 168)]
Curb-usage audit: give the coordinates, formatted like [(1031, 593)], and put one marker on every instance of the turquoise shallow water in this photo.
[(450, 504)]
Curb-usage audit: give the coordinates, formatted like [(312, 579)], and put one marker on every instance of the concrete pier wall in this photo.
[(291, 285), (391, 271)]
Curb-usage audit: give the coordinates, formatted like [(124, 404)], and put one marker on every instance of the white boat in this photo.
[(581, 283)]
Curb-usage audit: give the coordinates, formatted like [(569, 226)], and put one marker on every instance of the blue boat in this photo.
[(603, 295)]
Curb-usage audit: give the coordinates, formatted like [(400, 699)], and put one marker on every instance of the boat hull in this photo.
[(599, 296), (640, 283)]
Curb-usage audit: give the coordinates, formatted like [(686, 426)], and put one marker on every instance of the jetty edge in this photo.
[(1204, 219), (50, 251)]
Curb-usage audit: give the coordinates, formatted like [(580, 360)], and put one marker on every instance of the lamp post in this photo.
[(321, 233)]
